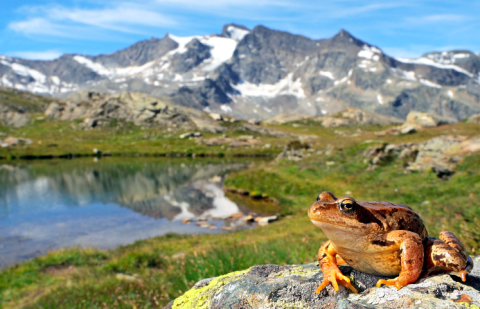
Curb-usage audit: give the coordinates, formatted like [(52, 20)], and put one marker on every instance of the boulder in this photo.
[(14, 119), (355, 116), (422, 120), (285, 118), (293, 286), (475, 119)]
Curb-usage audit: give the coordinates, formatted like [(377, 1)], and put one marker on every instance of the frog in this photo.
[(381, 238)]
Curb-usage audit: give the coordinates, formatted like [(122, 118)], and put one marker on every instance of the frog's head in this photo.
[(339, 215)]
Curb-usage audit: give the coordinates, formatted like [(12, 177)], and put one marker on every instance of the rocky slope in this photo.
[(293, 286), (260, 73)]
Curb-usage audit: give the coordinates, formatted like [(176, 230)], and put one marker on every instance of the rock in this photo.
[(355, 116), (216, 117), (190, 134), (14, 141), (254, 121), (408, 130), (89, 123), (475, 119), (14, 119), (293, 286), (54, 110), (124, 277), (420, 119), (285, 118), (265, 220), (331, 122), (186, 221)]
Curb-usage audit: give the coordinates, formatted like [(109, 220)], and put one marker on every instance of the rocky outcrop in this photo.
[(416, 121), (475, 119), (355, 116), (439, 154), (286, 118), (12, 118), (293, 286), (141, 109)]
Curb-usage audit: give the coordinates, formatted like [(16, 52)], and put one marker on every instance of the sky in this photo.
[(46, 29)]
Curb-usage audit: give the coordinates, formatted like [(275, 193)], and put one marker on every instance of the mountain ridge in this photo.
[(260, 73)]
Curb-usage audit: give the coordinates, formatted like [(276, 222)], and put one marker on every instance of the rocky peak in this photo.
[(344, 37), (234, 31), (138, 54)]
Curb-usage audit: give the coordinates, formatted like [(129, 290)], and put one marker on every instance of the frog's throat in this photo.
[(329, 227)]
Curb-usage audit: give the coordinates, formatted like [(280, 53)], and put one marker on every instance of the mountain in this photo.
[(260, 73)]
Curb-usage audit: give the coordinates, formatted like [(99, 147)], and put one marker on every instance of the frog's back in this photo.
[(392, 216)]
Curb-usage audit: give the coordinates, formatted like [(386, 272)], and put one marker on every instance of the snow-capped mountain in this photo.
[(261, 72)]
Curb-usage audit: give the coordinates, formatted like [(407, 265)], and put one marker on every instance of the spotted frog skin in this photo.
[(381, 238)]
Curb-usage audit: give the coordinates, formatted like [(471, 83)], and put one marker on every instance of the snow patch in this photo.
[(324, 112), (25, 71), (369, 52), (226, 108), (430, 62), (95, 67), (429, 83), (338, 82), (388, 81), (286, 86), (450, 93), (221, 50), (268, 110), (55, 80), (327, 74), (379, 99), (182, 42), (236, 33), (320, 99), (408, 75)]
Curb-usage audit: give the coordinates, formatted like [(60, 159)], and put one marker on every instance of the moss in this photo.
[(200, 297)]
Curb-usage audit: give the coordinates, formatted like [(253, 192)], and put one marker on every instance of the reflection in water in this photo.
[(54, 204)]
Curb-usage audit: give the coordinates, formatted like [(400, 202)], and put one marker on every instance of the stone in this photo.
[(475, 119), (254, 121), (216, 117), (190, 134), (14, 119), (265, 220), (408, 130), (423, 120), (293, 286), (286, 118)]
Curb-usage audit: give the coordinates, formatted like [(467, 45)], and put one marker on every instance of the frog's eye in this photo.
[(347, 206)]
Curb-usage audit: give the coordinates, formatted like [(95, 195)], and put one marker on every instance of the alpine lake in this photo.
[(105, 203)]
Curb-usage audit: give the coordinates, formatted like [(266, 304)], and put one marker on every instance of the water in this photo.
[(53, 204)]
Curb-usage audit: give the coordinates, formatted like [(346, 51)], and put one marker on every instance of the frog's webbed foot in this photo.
[(333, 275), (397, 282)]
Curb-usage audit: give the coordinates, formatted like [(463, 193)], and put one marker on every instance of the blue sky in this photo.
[(46, 29)]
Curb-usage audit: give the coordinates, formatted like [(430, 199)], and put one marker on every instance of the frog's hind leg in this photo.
[(446, 255)]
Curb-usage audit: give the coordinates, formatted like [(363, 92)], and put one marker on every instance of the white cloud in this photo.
[(438, 18), (78, 23), (37, 55)]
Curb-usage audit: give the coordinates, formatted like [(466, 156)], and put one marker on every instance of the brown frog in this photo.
[(381, 238)]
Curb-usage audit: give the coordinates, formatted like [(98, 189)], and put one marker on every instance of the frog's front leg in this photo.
[(327, 258), (446, 255), (411, 258)]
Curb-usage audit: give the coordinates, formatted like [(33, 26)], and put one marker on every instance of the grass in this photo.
[(162, 268)]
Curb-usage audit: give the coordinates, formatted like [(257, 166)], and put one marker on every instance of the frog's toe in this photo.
[(335, 277), (397, 282)]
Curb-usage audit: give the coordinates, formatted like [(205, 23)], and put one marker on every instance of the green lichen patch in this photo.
[(200, 297)]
